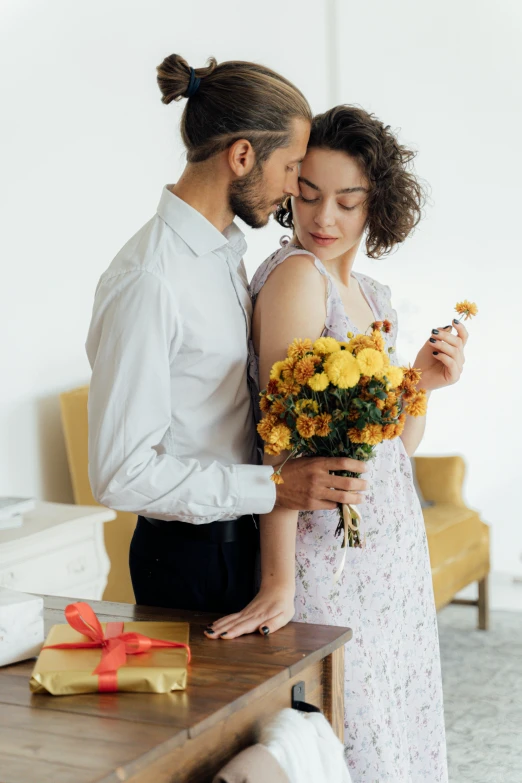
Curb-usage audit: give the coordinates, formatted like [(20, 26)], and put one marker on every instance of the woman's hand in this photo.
[(271, 609), (441, 359)]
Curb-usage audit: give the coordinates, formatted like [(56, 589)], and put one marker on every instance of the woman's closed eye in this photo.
[(315, 200)]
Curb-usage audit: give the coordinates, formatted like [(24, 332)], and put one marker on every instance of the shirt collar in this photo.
[(195, 230)]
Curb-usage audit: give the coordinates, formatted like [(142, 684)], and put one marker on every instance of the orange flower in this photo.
[(305, 368), (372, 434), (322, 424), (387, 326), (272, 387), (278, 408), (359, 342), (389, 431), (411, 377), (468, 308), (378, 339), (298, 348), (377, 325), (289, 386), (264, 404), (356, 435), (418, 406), (379, 404), (305, 426), (277, 478), (264, 427)]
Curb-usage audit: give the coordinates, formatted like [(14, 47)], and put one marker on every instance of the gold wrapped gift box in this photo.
[(68, 671)]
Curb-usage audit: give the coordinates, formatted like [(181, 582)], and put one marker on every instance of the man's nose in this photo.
[(292, 184)]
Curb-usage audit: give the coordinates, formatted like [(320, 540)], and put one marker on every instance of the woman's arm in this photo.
[(413, 431), (291, 304)]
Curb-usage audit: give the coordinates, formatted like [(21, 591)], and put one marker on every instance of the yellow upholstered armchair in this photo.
[(458, 540), (119, 533)]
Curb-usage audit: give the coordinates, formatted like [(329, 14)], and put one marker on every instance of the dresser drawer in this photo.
[(57, 571)]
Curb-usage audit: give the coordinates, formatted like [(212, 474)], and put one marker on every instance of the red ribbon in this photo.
[(115, 645)]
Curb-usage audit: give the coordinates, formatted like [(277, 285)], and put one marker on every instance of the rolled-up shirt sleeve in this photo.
[(135, 334)]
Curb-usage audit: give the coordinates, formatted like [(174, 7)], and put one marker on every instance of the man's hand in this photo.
[(309, 484)]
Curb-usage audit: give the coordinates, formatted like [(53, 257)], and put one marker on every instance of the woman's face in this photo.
[(330, 214)]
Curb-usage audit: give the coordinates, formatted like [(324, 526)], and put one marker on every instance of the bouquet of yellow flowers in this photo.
[(338, 399)]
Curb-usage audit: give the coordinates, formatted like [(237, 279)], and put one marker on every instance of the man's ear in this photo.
[(241, 157)]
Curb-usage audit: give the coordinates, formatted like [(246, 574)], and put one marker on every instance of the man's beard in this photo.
[(245, 197)]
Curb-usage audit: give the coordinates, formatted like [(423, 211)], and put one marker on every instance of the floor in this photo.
[(482, 680)]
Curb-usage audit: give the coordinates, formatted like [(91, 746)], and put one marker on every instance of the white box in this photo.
[(21, 626)]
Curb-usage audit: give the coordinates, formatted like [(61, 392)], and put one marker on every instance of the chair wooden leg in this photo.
[(483, 604)]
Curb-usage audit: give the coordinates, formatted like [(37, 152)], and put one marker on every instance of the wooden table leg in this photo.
[(333, 689)]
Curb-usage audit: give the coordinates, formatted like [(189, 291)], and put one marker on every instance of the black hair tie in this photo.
[(194, 83)]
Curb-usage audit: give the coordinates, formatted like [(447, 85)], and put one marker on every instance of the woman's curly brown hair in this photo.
[(396, 197)]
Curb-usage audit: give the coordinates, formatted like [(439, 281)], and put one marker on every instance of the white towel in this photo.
[(306, 747)]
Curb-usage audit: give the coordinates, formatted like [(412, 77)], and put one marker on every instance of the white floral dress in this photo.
[(394, 719)]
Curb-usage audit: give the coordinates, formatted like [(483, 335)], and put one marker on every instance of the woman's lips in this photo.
[(324, 241)]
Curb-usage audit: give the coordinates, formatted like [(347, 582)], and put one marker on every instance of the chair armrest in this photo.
[(441, 478)]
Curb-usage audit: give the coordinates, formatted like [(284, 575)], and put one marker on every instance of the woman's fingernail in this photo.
[(434, 331), (435, 353), (209, 628), (223, 634), (447, 327), (456, 321), (432, 340), (265, 630)]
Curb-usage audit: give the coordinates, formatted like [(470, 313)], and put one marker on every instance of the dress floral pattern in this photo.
[(394, 718)]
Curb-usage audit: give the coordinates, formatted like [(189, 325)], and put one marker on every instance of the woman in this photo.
[(355, 184)]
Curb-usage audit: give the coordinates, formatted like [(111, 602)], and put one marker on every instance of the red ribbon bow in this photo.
[(115, 645)]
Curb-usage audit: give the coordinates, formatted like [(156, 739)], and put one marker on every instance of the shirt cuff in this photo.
[(257, 493)]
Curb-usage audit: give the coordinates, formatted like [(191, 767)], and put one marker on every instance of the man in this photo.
[(171, 427)]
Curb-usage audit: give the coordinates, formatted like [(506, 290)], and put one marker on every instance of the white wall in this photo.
[(448, 75), (87, 146)]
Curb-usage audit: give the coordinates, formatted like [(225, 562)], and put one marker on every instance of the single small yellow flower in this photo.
[(394, 376), (319, 382), (277, 478), (264, 427), (302, 405), (468, 308), (280, 436), (277, 369), (418, 406), (349, 335), (342, 369), (322, 424), (370, 361), (305, 426), (305, 368), (325, 345), (298, 348)]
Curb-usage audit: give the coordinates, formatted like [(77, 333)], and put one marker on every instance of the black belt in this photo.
[(217, 532)]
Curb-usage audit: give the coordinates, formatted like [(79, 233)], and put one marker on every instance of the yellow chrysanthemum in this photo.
[(274, 451), (277, 407), (355, 435), (322, 424), (277, 478), (289, 386), (264, 427), (370, 361), (277, 369), (305, 368), (359, 342), (389, 431), (305, 426), (399, 427), (469, 308), (342, 369), (372, 434), (394, 375), (411, 376), (319, 382), (418, 406), (380, 404), (264, 404), (325, 345), (280, 436), (378, 339), (302, 405), (298, 348)]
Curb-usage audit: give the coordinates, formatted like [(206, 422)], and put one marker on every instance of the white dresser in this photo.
[(59, 550)]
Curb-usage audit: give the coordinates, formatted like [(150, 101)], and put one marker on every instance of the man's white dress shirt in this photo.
[(171, 425)]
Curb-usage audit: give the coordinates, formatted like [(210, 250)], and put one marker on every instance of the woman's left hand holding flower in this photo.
[(441, 359)]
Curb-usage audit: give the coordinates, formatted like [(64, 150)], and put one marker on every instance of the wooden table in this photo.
[(183, 737)]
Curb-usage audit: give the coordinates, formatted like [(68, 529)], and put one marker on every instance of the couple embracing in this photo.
[(180, 345)]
